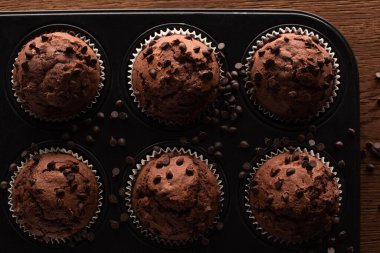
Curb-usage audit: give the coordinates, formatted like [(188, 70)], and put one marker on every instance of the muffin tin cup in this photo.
[(180, 29), (53, 241), (100, 86), (247, 206), (296, 30), (129, 188)]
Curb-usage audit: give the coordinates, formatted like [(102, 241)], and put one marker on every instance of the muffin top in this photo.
[(293, 76), (56, 75), (176, 197), (294, 197), (55, 196), (175, 78)]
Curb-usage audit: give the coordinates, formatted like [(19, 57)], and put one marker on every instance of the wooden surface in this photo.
[(359, 21)]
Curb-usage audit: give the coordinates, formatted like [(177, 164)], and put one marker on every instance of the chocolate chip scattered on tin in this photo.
[(218, 155), (3, 185), (121, 142), (351, 132), (124, 217), (90, 139), (238, 66), (100, 116), (339, 145), (341, 164), (377, 75), (242, 174), (221, 46), (115, 172), (12, 167), (247, 166), (244, 144), (113, 142), (115, 225), (114, 115), (370, 168), (130, 160)]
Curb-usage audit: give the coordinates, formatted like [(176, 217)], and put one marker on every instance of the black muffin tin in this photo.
[(115, 33)]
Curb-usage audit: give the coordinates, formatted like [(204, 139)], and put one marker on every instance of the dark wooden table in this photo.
[(359, 21)]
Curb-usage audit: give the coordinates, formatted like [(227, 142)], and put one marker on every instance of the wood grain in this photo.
[(359, 21)]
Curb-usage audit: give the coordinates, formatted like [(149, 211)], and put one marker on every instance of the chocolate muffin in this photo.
[(294, 197), (54, 196), (175, 78), (293, 76), (56, 76), (175, 197)]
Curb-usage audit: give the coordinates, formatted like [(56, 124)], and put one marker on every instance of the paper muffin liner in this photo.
[(301, 31), (158, 34), (89, 106), (48, 240), (250, 177), (131, 182)]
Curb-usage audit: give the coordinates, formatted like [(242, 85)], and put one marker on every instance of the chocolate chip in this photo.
[(28, 55), (205, 241), (60, 193), (12, 167), (350, 249), (44, 38), (269, 63), (165, 161), (311, 142), (100, 116), (169, 175), (73, 187), (157, 179), (377, 75), (301, 138), (153, 73), (370, 168), (114, 115), (159, 165), (238, 66), (51, 165), (119, 104), (164, 45), (285, 197), (123, 115), (278, 184), (113, 142), (196, 49), (206, 53), (286, 39), (32, 45), (189, 171), (269, 199), (244, 145), (207, 75), (114, 224), (149, 58), (330, 250), (254, 189), (3, 185), (96, 129), (246, 166), (90, 139), (115, 172), (339, 145), (219, 226), (112, 199), (179, 161), (299, 193), (258, 77), (292, 94), (130, 160), (275, 50), (25, 66), (124, 217), (166, 63), (290, 171), (182, 47), (121, 142), (261, 53), (274, 172), (287, 160), (148, 51), (218, 155), (221, 46), (242, 174), (342, 234), (312, 164), (320, 146), (83, 50), (69, 50), (327, 60)]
